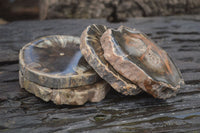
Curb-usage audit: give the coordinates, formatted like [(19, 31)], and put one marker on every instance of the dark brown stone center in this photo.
[(54, 56)]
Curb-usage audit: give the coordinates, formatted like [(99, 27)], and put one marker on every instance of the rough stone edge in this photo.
[(72, 96)]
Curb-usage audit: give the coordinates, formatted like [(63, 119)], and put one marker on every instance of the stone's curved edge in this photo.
[(42, 92), (131, 71), (57, 81), (71, 96), (119, 83)]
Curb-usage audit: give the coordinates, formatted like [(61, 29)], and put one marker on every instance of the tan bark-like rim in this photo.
[(48, 94)]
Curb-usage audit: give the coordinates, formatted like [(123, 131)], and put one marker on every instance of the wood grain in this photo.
[(23, 112)]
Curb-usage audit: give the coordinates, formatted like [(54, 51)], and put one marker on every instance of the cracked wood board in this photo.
[(21, 111)]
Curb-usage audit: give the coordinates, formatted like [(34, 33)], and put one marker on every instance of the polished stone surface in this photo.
[(55, 55), (56, 62), (142, 61), (92, 51)]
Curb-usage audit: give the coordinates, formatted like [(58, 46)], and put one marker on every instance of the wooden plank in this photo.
[(23, 112)]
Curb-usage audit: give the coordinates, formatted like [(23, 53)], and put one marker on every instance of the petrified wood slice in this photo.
[(140, 60), (71, 96), (91, 49), (56, 62)]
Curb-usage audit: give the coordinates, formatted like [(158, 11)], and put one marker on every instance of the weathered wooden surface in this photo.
[(23, 112), (116, 10)]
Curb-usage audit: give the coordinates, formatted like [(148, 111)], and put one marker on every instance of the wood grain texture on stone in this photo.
[(92, 51), (56, 62), (22, 112), (139, 59), (70, 96)]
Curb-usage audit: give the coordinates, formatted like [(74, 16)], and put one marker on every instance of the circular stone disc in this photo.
[(71, 96), (91, 49), (140, 60), (56, 62)]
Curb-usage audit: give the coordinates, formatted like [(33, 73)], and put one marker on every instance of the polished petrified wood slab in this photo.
[(56, 62), (92, 51), (140, 60)]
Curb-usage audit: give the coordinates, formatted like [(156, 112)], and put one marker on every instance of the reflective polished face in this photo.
[(142, 51), (55, 55), (93, 53)]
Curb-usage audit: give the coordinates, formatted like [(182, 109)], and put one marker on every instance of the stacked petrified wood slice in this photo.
[(53, 67), (130, 62)]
